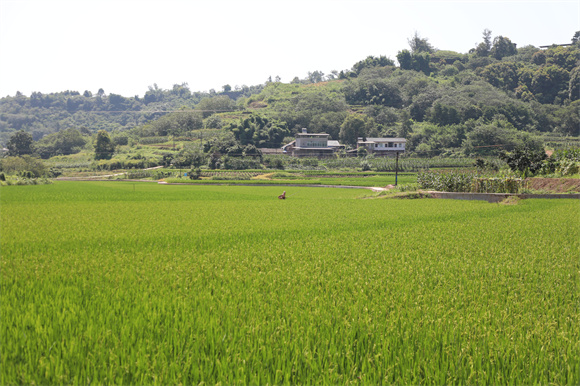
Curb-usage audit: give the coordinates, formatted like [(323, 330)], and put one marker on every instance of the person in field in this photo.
[(282, 196)]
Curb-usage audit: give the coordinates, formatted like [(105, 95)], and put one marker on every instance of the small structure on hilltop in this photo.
[(382, 146)]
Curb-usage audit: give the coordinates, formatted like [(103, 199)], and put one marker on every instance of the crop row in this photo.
[(468, 182)]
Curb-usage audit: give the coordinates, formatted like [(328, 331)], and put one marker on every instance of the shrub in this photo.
[(568, 168), (310, 162), (365, 166), (194, 174), (276, 163)]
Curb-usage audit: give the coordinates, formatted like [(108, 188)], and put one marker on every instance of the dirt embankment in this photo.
[(554, 185)]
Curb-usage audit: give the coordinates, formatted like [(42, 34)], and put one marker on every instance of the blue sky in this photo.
[(124, 46)]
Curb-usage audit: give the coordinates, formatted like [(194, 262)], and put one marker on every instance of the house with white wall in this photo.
[(311, 145), (382, 146)]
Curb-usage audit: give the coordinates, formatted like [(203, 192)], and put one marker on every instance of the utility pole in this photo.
[(396, 168)]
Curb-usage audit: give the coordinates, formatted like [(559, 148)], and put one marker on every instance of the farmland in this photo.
[(137, 283)]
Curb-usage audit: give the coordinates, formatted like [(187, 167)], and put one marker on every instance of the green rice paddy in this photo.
[(123, 283)]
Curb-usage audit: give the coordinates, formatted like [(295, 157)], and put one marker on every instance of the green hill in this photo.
[(443, 102)]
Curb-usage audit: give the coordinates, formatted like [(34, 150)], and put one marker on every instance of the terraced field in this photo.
[(113, 282)]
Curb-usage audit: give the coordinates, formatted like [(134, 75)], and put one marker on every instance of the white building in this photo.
[(383, 146)]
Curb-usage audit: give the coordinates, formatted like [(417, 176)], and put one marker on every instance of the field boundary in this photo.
[(278, 185), (497, 197)]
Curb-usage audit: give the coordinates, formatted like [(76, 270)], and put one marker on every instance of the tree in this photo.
[(227, 88), (503, 47), (419, 44), (315, 77), (104, 148), (405, 59), (65, 142), (353, 127), (259, 131), (191, 155), (548, 82), (524, 158), (371, 61), (484, 47), (374, 91), (504, 75), (576, 37), (20, 144)]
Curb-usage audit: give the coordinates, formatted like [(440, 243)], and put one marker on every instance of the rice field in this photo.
[(123, 283)]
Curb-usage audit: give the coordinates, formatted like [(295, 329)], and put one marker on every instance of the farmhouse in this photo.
[(311, 145), (382, 146)]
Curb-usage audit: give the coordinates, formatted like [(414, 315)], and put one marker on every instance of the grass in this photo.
[(129, 283)]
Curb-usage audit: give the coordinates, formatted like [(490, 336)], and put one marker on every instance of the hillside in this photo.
[(443, 102)]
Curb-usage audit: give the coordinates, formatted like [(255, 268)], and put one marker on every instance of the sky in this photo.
[(125, 46)]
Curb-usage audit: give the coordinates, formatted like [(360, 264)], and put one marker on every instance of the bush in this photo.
[(239, 163), (567, 168), (365, 166), (522, 159), (313, 162), (276, 163), (26, 163), (194, 174)]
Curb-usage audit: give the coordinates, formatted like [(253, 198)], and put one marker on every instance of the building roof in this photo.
[(313, 134), (313, 148), (386, 140), (333, 143)]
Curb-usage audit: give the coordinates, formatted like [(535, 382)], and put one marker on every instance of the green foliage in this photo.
[(64, 142), (26, 163), (259, 131), (462, 94), (20, 143), (373, 91), (240, 163), (491, 139), (524, 158), (419, 44), (116, 164), (353, 127), (419, 61), (468, 182), (212, 105), (104, 147), (194, 174), (174, 124), (191, 155), (370, 62), (502, 47)]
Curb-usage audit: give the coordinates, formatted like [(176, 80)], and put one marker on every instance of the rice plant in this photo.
[(124, 283)]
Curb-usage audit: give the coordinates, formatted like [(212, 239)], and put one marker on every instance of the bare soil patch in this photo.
[(554, 185)]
